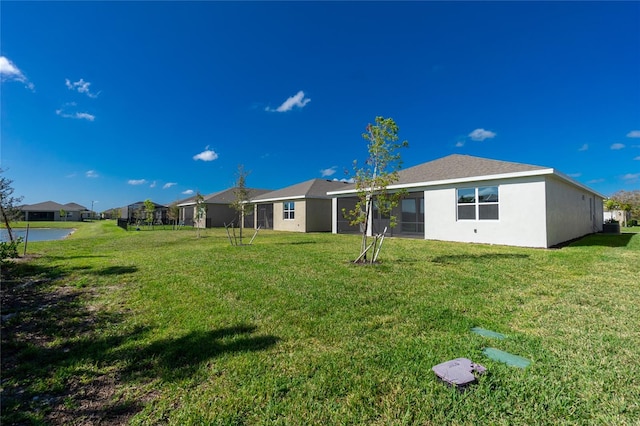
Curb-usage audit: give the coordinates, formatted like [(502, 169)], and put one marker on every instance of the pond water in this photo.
[(37, 234)]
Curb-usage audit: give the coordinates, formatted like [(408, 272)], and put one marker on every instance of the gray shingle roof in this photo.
[(50, 206), (459, 166), (314, 188)]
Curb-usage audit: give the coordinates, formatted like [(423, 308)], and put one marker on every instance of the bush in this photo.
[(9, 249)]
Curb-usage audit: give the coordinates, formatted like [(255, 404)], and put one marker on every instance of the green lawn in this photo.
[(160, 327)]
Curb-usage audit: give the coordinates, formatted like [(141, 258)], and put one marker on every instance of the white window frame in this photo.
[(289, 210), (477, 203)]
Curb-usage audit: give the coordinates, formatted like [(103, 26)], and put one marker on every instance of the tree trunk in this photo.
[(6, 223)]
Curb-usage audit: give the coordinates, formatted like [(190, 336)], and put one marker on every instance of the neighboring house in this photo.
[(304, 207), (136, 213), (478, 200), (50, 211), (619, 216), (218, 209)]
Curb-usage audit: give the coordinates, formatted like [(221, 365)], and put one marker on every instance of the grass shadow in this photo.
[(116, 270), (604, 240), (178, 358)]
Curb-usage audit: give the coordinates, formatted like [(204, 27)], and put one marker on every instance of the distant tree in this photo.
[(174, 214), (241, 193), (627, 201), (63, 214), (372, 179), (200, 213), (149, 210)]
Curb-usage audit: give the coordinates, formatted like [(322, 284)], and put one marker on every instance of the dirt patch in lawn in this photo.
[(49, 331)]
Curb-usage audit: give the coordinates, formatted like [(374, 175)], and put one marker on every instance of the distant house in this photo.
[(620, 216), (51, 211), (303, 207), (218, 210), (478, 200), (136, 212)]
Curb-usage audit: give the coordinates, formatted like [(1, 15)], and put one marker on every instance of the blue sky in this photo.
[(117, 102)]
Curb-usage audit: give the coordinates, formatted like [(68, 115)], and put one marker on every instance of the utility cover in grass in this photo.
[(488, 333), (458, 372), (506, 357)]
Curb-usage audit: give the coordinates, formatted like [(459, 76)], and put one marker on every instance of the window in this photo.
[(478, 203), (289, 208)]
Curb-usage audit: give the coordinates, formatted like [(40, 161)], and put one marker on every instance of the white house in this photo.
[(478, 200)]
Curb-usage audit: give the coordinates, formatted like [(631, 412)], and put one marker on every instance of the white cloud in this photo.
[(631, 177), (350, 180), (634, 134), (206, 155), (481, 134), (584, 147), (10, 72), (617, 146), (637, 158), (328, 172), (595, 181), (81, 86), (91, 174), (137, 181), (188, 192), (76, 115), (168, 185), (153, 184), (459, 144), (575, 175), (297, 100)]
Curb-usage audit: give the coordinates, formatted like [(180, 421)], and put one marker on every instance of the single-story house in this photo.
[(620, 216), (303, 207), (478, 200), (218, 209), (136, 212), (52, 211)]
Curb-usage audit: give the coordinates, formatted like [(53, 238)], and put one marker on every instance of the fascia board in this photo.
[(578, 184), (271, 200), (540, 172)]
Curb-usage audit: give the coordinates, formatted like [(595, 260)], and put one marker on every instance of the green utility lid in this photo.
[(488, 333), (506, 357)]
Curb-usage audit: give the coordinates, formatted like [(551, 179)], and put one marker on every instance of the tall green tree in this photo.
[(372, 179), (241, 193), (8, 204), (149, 211)]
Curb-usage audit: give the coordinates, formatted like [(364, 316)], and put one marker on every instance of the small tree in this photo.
[(200, 213), (149, 209), (372, 179), (174, 214), (9, 211), (63, 214), (241, 196)]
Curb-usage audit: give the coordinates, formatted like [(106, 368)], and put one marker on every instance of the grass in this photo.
[(158, 326)]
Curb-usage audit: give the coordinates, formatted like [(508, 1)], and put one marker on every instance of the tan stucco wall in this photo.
[(295, 225)]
